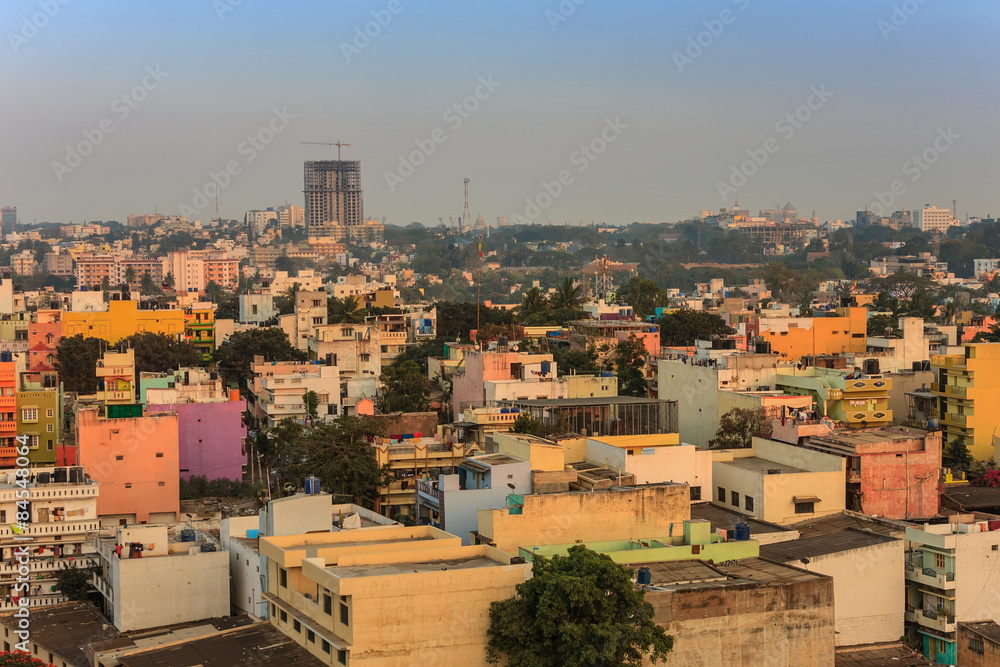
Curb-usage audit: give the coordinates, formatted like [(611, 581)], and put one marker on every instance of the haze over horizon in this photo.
[(885, 80)]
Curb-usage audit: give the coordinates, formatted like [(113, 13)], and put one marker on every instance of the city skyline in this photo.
[(606, 113)]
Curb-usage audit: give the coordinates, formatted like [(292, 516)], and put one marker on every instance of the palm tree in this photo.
[(168, 280), (129, 275), (348, 310), (568, 295), (532, 302), (147, 286)]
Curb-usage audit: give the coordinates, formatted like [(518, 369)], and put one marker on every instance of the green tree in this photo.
[(160, 353), (148, 286), (578, 609), (105, 284), (168, 280), (74, 581), (643, 295), (214, 291), (76, 361), (349, 310), (569, 361), (310, 400), (881, 324), (568, 295), (958, 454), (342, 456), (683, 327), (630, 365), (405, 388), (532, 302), (234, 357), (525, 423), (738, 427), (129, 275)]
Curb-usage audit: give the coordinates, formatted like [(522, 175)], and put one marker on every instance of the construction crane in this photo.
[(338, 144)]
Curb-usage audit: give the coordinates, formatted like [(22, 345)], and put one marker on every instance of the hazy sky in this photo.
[(678, 119)]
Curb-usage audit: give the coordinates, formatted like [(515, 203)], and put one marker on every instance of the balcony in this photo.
[(43, 564), (51, 528), (965, 421), (858, 416), (928, 576), (33, 601), (867, 385), (955, 390), (941, 621), (935, 388)]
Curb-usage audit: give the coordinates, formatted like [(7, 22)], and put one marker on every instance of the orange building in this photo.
[(223, 272), (136, 462), (8, 413), (796, 337), (44, 334)]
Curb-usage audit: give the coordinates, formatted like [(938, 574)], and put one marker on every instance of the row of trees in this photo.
[(77, 357)]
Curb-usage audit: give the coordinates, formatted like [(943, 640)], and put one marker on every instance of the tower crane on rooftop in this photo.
[(338, 144)]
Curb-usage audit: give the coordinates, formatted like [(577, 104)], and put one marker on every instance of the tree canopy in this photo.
[(405, 388), (738, 427), (644, 295), (630, 365), (160, 353), (235, 355), (76, 361), (683, 327), (579, 609)]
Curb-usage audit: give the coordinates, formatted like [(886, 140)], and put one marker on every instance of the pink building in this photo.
[(136, 462), (480, 366), (44, 334), (892, 472), (210, 438)]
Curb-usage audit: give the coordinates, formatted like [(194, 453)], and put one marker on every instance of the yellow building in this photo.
[(387, 596), (199, 328), (855, 401), (116, 378), (796, 337), (122, 319), (968, 398)]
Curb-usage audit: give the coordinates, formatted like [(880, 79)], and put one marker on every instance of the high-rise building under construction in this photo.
[(333, 197)]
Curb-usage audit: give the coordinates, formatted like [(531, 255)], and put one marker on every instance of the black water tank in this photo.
[(871, 366), (60, 475)]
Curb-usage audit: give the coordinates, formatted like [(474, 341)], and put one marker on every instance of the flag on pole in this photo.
[(480, 249)]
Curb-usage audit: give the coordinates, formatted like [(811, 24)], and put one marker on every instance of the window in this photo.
[(29, 415), (159, 455), (161, 483), (804, 508), (695, 493), (342, 656), (51, 446), (942, 646), (284, 616), (327, 605), (48, 413), (344, 614), (50, 428), (297, 625), (326, 646), (283, 577), (310, 635), (735, 499), (722, 495), (128, 485), (939, 561), (749, 503), (119, 457), (976, 645)]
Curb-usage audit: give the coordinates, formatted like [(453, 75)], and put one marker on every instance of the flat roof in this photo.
[(720, 517), (66, 628), (972, 497), (583, 402), (822, 545), (389, 569), (893, 654), (988, 629), (761, 465), (312, 550), (841, 521), (258, 644), (872, 436), (690, 574)]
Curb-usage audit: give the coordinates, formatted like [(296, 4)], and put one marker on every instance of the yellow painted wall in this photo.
[(969, 385), (543, 455), (122, 319), (600, 516)]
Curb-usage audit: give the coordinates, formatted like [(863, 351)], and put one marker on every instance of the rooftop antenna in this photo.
[(338, 144)]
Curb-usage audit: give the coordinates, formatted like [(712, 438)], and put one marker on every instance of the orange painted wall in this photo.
[(137, 441), (826, 335)]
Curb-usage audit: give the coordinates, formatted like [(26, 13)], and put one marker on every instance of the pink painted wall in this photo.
[(901, 487), (210, 438), (145, 478)]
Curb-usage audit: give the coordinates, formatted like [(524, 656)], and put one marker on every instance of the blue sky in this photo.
[(682, 131)]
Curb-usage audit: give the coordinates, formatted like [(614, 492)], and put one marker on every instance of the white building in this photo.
[(63, 512), (934, 219), (171, 580), (259, 219), (982, 266)]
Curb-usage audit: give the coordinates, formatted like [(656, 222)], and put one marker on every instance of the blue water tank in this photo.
[(312, 486), (253, 533), (546, 367), (742, 531), (932, 423), (606, 374), (505, 411), (644, 577), (187, 535)]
